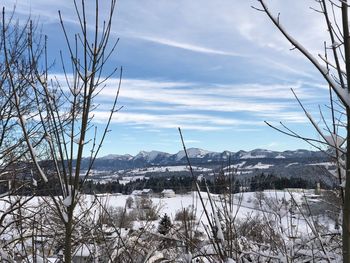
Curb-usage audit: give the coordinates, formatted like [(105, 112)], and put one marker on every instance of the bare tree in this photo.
[(15, 100), (334, 67), (50, 118)]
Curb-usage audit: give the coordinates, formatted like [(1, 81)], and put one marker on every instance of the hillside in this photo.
[(310, 165)]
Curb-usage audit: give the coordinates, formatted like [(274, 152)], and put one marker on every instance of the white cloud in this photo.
[(229, 34), (252, 97), (197, 97), (173, 121), (288, 117), (190, 47), (169, 104)]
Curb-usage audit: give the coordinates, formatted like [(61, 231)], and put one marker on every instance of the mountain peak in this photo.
[(117, 156), (151, 155), (192, 153)]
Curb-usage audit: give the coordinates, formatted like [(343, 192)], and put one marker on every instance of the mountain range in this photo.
[(311, 165), (145, 158)]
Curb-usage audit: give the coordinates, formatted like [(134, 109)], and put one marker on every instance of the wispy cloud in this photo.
[(291, 117), (212, 97), (221, 67), (197, 97), (188, 46), (169, 104), (186, 121)]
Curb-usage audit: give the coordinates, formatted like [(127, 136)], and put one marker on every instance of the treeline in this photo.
[(269, 181), (217, 185), (180, 184)]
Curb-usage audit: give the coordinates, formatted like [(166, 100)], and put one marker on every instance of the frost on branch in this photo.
[(35, 160), (334, 140), (69, 198), (341, 92), (35, 182)]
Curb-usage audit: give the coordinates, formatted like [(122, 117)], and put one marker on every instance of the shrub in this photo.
[(185, 214), (118, 217), (129, 202), (145, 209)]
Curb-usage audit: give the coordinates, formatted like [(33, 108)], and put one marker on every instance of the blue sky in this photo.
[(217, 69)]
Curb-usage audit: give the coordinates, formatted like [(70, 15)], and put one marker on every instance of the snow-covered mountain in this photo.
[(199, 156), (117, 156), (151, 156), (299, 163), (192, 153), (145, 158)]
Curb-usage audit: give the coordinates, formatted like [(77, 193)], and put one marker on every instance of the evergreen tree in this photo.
[(164, 225)]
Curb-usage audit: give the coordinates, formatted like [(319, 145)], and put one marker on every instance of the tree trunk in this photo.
[(68, 241), (346, 205)]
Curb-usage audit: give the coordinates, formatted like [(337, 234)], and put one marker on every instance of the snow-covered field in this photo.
[(269, 213), (162, 169), (246, 205)]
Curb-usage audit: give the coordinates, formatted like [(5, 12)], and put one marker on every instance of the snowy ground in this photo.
[(246, 205), (278, 214), (162, 169)]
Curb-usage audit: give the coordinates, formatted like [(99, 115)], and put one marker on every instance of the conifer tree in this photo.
[(164, 225)]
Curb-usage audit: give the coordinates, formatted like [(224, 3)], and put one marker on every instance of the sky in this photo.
[(217, 69)]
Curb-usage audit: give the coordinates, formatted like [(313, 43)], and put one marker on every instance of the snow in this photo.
[(235, 166), (162, 169), (34, 182), (280, 157), (67, 201), (334, 140), (127, 179), (35, 160), (259, 165), (245, 172), (168, 193), (188, 257), (246, 205), (192, 153), (83, 251), (335, 44), (326, 164), (250, 156), (149, 156), (117, 156), (290, 164), (52, 260), (342, 93), (219, 234)]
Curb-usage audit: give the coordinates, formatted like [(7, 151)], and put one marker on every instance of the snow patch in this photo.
[(290, 164), (259, 165), (250, 156), (192, 153), (280, 157)]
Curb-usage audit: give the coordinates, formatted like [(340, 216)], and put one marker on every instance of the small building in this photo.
[(143, 193), (168, 193), (82, 254), (137, 192), (147, 192)]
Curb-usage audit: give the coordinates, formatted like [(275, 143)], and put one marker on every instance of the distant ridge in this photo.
[(314, 166), (197, 153)]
